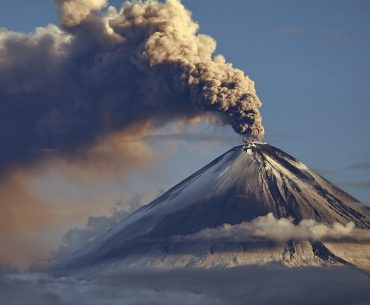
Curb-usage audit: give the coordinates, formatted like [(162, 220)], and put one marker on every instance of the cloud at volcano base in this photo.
[(282, 229), (258, 285)]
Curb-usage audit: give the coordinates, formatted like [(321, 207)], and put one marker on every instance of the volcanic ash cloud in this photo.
[(103, 71)]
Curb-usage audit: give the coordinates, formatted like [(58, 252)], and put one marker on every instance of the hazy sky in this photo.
[(311, 65)]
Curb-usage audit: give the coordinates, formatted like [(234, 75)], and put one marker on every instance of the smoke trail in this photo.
[(102, 71)]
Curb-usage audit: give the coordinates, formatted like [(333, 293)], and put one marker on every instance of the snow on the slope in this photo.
[(355, 253), (257, 176), (180, 196)]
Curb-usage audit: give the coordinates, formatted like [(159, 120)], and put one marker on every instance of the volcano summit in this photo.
[(221, 217)]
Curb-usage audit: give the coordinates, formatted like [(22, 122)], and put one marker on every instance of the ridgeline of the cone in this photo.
[(246, 182)]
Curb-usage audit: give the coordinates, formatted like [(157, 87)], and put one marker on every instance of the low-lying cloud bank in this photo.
[(282, 229), (252, 285)]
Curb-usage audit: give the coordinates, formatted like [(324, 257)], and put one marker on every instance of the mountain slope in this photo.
[(244, 183)]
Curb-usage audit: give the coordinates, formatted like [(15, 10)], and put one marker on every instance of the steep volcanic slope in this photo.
[(246, 182)]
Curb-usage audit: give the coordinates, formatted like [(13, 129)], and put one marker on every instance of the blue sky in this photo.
[(311, 65), (310, 61)]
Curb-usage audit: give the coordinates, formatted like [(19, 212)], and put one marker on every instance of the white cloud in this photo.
[(281, 230)]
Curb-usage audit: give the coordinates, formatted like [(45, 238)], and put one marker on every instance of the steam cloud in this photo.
[(282, 229), (101, 72)]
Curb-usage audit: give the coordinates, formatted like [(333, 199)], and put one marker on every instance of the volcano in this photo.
[(247, 182)]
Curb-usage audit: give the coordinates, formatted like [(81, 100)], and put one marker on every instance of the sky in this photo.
[(306, 56), (310, 64)]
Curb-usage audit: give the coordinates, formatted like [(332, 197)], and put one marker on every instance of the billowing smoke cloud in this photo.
[(101, 72), (282, 229), (72, 12)]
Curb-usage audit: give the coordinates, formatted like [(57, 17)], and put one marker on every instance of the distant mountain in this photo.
[(246, 182)]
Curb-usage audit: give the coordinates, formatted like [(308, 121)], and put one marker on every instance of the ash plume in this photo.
[(104, 71), (72, 12)]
